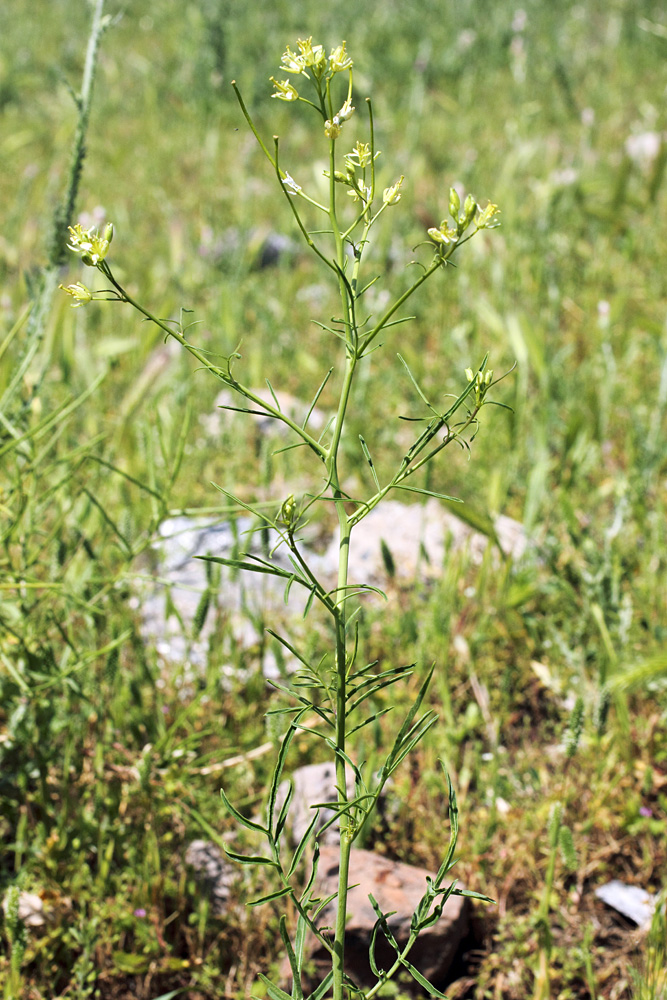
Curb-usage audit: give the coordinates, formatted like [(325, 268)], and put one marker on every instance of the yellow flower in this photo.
[(360, 156), (81, 295), (292, 62), (88, 243), (486, 219), (284, 90), (339, 59), (392, 195), (444, 235), (313, 55), (345, 112)]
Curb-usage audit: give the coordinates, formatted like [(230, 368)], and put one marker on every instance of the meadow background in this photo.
[(556, 112)]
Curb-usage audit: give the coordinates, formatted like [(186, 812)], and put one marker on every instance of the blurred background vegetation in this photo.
[(556, 112)]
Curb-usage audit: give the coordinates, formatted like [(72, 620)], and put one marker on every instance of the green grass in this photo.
[(101, 766)]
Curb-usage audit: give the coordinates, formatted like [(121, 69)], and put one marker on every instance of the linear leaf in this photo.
[(274, 991), (323, 988), (284, 809), (367, 456), (416, 385), (249, 824), (298, 854), (418, 977), (280, 763), (294, 960), (251, 859), (285, 891)]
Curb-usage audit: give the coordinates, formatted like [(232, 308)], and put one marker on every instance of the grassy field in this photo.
[(555, 112)]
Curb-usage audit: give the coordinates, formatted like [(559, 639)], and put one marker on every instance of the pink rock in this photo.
[(396, 887)]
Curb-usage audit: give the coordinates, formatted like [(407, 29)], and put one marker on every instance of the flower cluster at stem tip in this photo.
[(311, 61), (92, 247), (446, 236), (89, 244)]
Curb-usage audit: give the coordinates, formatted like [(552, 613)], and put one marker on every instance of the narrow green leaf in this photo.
[(427, 493), (323, 988), (298, 854), (316, 397), (249, 824), (274, 992), (416, 385), (284, 809), (251, 859), (280, 763), (367, 456), (382, 921), (288, 646), (367, 722), (285, 891), (473, 895), (294, 960), (423, 982), (407, 723)]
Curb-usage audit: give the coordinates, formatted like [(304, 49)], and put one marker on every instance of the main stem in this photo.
[(340, 616)]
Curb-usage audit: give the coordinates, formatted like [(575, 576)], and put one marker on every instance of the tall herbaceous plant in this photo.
[(326, 695)]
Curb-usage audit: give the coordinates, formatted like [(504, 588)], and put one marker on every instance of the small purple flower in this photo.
[(139, 912), (645, 811)]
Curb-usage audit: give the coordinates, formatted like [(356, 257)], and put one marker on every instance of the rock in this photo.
[(274, 249), (213, 872), (312, 783), (632, 901), (31, 909), (246, 598), (296, 409), (396, 887), (418, 537)]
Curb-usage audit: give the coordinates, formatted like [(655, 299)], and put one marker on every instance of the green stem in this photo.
[(318, 448), (346, 833)]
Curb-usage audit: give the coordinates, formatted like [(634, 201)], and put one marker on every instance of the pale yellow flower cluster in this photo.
[(310, 59)]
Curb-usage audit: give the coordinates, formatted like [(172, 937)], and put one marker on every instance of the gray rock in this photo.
[(417, 536), (214, 873), (312, 784), (246, 597)]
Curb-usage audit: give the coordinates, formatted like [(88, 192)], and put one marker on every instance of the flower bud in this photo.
[(469, 209), (454, 203), (287, 511)]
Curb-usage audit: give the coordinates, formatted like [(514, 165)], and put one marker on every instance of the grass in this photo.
[(103, 766)]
